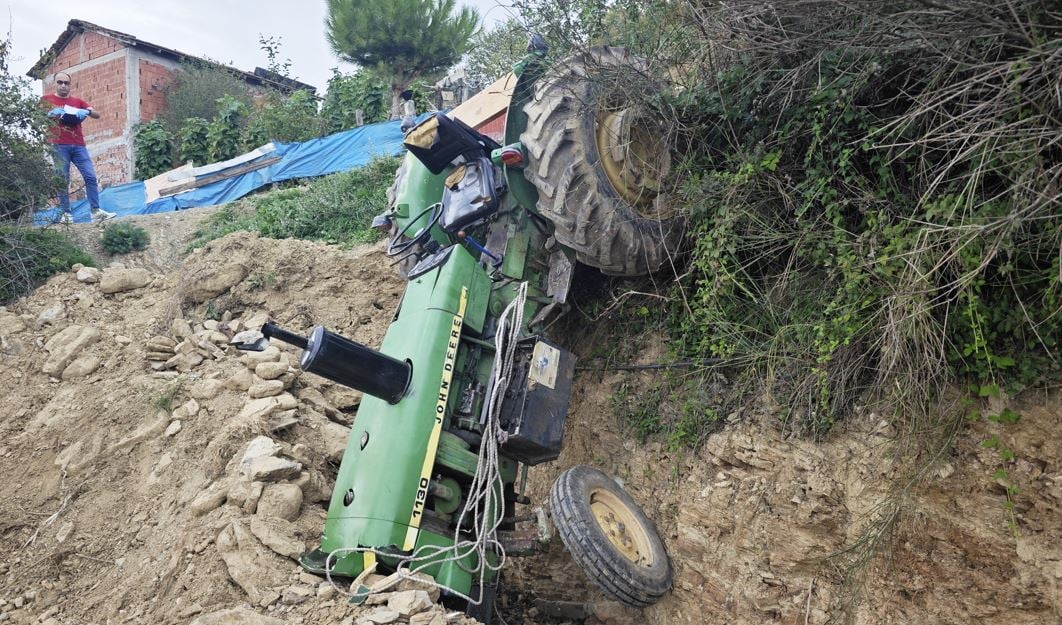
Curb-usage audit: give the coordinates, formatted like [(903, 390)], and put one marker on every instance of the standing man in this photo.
[(68, 146)]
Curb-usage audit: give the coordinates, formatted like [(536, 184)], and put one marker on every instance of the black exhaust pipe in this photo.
[(347, 362)]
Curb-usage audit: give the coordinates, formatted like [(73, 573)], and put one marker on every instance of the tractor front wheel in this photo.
[(610, 537)]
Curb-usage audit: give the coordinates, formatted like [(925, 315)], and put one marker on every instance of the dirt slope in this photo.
[(112, 513)]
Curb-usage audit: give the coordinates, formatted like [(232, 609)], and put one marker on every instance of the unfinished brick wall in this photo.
[(153, 78)]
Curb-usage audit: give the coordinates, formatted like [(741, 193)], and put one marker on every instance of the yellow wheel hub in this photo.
[(621, 527), (634, 158)]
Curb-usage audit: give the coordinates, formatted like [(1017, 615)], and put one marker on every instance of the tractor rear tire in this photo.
[(610, 537), (611, 214)]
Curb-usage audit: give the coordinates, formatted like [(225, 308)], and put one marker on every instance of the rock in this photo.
[(315, 399), (210, 282), (420, 581), (122, 280), (173, 428), (326, 591), (239, 492), (265, 388), (81, 367), (253, 359), (253, 496), (343, 398), (187, 410), (615, 613), (210, 324), (159, 356), (380, 616), (315, 488), (286, 401), (210, 499), (294, 595), (409, 602), (11, 346), (283, 501), (241, 381), (335, 440), (432, 617), (254, 568), (255, 321), (181, 329), (278, 535), (11, 323), (88, 275), (184, 362), (161, 343), (64, 532), (50, 315), (273, 469), (259, 447), (257, 409), (66, 344), (206, 389), (271, 370), (282, 420), (237, 616), (122, 340)]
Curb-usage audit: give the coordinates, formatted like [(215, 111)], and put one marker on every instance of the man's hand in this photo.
[(56, 112), (82, 114)]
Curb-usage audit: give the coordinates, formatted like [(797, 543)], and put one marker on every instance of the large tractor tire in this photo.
[(599, 160), (610, 537)]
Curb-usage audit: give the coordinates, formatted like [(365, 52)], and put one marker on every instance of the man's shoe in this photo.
[(66, 219), (98, 214)]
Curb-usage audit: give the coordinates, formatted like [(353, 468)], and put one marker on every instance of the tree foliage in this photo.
[(195, 90), (401, 40), (493, 53), (27, 179)]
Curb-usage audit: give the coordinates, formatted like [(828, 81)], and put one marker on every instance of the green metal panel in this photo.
[(528, 69), (384, 475), (418, 190)]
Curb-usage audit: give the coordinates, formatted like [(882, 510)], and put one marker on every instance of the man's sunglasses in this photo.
[(62, 82)]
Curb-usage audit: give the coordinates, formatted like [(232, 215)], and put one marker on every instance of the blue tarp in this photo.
[(342, 151)]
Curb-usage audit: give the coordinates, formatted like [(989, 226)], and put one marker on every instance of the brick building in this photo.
[(122, 78)]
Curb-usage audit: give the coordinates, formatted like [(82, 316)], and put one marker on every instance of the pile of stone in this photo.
[(187, 347)]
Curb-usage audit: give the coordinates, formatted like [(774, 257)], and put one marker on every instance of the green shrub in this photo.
[(336, 209), (153, 146), (224, 133), (194, 141), (28, 256), (122, 238)]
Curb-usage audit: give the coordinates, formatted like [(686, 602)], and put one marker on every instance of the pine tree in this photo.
[(401, 40)]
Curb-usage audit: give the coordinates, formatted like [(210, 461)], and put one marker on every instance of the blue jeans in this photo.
[(63, 155)]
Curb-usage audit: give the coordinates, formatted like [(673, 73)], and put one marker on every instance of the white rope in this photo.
[(486, 493)]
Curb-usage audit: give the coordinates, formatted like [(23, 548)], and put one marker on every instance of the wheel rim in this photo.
[(634, 159), (621, 528)]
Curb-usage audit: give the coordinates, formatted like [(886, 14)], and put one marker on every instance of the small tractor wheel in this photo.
[(599, 160), (610, 537)]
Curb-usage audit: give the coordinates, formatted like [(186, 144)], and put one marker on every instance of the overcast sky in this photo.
[(223, 31)]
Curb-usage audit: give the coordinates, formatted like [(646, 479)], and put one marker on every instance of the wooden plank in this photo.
[(224, 175)]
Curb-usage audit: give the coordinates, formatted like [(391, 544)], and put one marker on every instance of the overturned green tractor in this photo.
[(466, 391)]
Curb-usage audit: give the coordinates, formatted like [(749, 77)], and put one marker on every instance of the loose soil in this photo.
[(110, 516)]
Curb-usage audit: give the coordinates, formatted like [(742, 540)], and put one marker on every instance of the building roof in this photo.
[(74, 28)]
